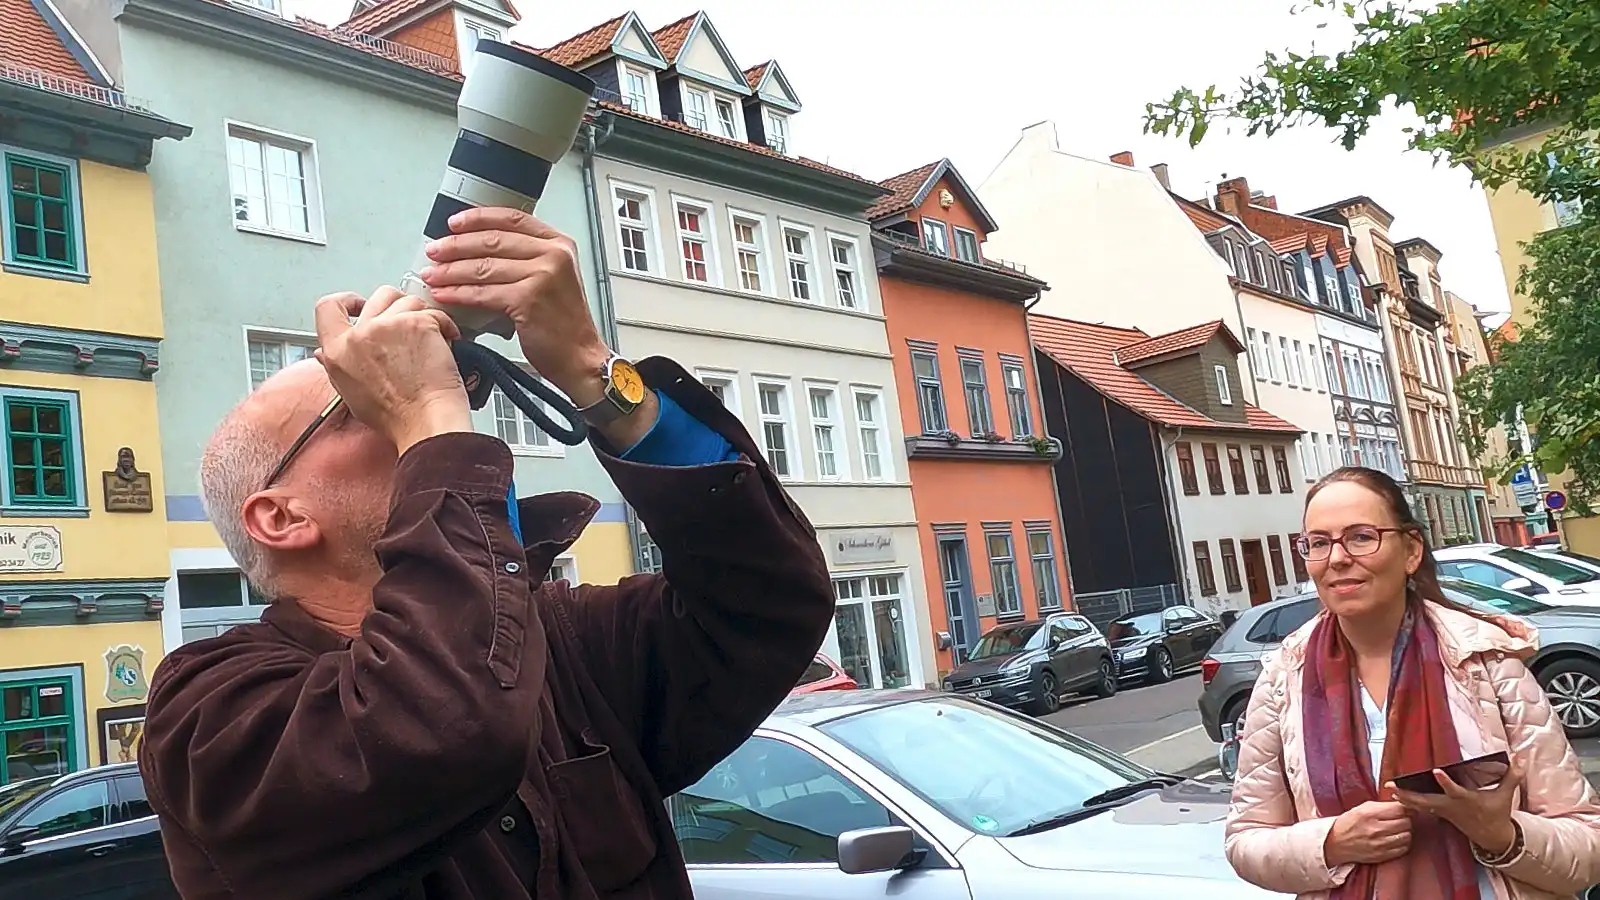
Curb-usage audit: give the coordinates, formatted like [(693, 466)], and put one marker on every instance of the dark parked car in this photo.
[(1157, 644), (1567, 664), (1032, 665), (89, 835)]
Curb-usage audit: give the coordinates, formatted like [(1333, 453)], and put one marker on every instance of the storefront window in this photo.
[(212, 602), (37, 732), (880, 648)]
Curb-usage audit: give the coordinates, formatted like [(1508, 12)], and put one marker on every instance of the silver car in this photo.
[(929, 796)]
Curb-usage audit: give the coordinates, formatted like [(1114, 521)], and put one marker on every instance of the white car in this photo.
[(1554, 580)]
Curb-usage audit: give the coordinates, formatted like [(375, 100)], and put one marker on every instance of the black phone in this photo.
[(1479, 773)]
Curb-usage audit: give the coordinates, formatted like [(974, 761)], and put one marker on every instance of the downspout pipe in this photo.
[(593, 136)]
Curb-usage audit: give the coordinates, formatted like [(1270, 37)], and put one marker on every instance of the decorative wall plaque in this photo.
[(127, 489)]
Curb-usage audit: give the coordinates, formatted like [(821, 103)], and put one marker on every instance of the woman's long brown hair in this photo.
[(1424, 583)]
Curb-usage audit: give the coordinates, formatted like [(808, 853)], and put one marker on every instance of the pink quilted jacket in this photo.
[(1275, 836)]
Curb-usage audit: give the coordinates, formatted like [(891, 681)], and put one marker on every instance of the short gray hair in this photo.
[(236, 463)]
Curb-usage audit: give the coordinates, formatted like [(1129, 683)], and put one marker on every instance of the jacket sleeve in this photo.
[(1561, 815), (692, 660), (1266, 842), (342, 773)]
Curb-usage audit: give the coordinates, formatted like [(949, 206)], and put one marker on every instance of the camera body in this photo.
[(519, 114)]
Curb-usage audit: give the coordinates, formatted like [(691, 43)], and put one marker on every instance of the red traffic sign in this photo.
[(1555, 501)]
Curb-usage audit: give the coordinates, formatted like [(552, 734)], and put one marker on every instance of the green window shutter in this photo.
[(42, 213), (40, 468)]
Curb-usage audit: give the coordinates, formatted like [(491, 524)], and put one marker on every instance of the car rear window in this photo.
[(1280, 623), (1566, 573)]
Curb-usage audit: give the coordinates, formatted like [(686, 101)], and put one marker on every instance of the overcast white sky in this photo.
[(888, 85)]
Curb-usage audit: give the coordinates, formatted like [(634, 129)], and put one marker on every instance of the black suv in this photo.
[(1031, 665), (89, 835)]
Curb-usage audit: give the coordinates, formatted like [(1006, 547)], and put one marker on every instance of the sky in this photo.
[(888, 85)]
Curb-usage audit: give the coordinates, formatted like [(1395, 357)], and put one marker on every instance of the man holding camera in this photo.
[(419, 714)]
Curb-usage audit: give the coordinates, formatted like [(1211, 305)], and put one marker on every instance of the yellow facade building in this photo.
[(83, 542), (1518, 217)]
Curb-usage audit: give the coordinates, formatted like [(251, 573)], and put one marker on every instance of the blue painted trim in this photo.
[(46, 348), (188, 508)]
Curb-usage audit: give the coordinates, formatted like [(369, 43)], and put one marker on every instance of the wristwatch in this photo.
[(624, 392)]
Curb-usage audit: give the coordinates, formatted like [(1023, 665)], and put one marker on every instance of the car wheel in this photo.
[(1160, 670), (1573, 687), (1049, 695), (1107, 685), (1235, 713)]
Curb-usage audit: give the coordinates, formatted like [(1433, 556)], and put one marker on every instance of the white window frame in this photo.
[(729, 380), (943, 231), (836, 425), (650, 222), (763, 250), (808, 259), (1314, 458), (1353, 293), (736, 110), (705, 112), (786, 419), (651, 99), (858, 287), (1283, 357), (708, 225), (1301, 377), (311, 169), (1224, 392), (549, 448), (1317, 379), (880, 432), (956, 233), (471, 32), (1254, 340), (568, 564), (305, 340), (80, 267), (1307, 270), (1272, 357), (1018, 409), (778, 136)]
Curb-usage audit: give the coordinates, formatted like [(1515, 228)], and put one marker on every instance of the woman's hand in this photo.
[(1483, 816), (1374, 832)]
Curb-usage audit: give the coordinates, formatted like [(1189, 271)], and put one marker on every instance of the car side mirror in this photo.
[(866, 850), (19, 836), (1525, 586)]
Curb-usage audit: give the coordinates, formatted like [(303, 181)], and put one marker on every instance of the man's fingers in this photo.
[(480, 244), (478, 270), (333, 314), (499, 218), (447, 325), (381, 299)]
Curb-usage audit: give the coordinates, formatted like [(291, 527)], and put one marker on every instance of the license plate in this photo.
[(983, 695)]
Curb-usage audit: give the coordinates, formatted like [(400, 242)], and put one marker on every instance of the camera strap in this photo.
[(483, 370)]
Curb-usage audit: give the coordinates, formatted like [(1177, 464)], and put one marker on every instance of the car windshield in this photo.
[(1133, 626), (1009, 639), (1545, 565), (1497, 600), (13, 796), (1030, 772)]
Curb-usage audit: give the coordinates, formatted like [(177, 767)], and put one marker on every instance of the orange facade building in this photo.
[(979, 455)]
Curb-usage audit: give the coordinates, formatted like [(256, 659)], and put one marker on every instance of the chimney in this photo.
[(1265, 202), (1233, 195), (1125, 158), (1160, 170)]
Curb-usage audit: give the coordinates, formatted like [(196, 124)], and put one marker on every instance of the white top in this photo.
[(1377, 733)]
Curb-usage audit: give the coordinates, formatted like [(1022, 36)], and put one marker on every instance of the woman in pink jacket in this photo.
[(1390, 679)]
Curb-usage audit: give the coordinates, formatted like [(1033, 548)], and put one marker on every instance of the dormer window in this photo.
[(727, 118), (778, 131), (1224, 392), (1353, 291), (934, 237), (271, 6), (1310, 279), (471, 33), (1330, 285), (696, 109), (636, 90), (966, 245)]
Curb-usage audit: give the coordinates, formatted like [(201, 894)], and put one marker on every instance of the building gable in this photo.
[(633, 42), (703, 57), (772, 87)]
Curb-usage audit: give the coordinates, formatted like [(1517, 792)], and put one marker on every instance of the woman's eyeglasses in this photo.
[(1362, 540)]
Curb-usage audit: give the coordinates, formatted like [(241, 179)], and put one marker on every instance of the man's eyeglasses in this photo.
[(299, 442), (1362, 540)]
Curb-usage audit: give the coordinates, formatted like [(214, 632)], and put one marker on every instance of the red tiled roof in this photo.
[(1090, 352), (622, 110), (1291, 244), (1173, 341), (670, 38), (754, 74), (903, 190), (1203, 218), (448, 70), (387, 11), (1319, 245), (580, 48), (27, 40), (1341, 256)]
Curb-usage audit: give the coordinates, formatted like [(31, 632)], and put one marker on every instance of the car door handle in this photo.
[(101, 849)]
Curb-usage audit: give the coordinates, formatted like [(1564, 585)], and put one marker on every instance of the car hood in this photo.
[(1175, 832), (1136, 640), (989, 665)]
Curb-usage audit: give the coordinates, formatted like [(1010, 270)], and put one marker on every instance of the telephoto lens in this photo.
[(519, 114)]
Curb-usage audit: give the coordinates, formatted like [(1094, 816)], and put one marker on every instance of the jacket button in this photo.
[(507, 824), (513, 568)]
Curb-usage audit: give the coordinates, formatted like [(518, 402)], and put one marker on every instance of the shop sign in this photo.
[(857, 548), (29, 548), (125, 674)]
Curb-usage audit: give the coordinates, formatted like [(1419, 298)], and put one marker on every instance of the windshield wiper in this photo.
[(1099, 803)]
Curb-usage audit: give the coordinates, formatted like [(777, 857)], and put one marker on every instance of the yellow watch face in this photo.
[(625, 380)]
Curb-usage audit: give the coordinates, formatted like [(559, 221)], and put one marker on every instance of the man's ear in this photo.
[(278, 523)]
